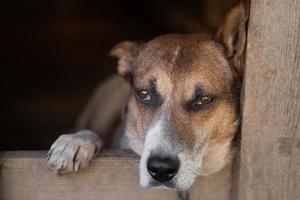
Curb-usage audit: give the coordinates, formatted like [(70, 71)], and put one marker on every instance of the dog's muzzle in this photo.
[(162, 168)]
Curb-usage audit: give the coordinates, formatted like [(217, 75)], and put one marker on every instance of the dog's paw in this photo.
[(72, 152)]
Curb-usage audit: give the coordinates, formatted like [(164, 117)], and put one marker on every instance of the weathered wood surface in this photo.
[(270, 147), (24, 176)]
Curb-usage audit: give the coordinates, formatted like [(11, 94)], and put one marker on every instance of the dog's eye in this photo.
[(143, 95), (202, 101)]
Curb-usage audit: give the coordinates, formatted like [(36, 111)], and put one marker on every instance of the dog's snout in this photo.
[(162, 169)]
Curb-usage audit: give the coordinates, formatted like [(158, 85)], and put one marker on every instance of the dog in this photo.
[(181, 97)]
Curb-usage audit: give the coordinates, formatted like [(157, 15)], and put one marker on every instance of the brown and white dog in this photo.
[(182, 106)]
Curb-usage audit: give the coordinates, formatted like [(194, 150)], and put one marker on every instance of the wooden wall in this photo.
[(270, 148)]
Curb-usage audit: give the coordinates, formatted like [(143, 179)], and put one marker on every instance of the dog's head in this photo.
[(184, 109)]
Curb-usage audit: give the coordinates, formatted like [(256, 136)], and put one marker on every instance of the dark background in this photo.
[(54, 52)]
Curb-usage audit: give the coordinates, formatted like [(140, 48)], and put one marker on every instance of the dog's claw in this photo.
[(77, 166)]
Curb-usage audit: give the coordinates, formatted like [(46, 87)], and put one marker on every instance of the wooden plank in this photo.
[(24, 176), (270, 147)]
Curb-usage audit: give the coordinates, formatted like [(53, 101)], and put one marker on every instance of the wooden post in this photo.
[(270, 147)]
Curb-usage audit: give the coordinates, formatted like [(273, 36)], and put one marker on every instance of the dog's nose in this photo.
[(162, 169)]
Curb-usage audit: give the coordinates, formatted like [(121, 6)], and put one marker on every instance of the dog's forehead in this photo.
[(172, 50), (187, 60)]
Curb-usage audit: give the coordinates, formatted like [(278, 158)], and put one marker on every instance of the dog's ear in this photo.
[(126, 52), (232, 34)]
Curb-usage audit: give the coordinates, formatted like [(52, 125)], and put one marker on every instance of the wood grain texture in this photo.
[(270, 147), (24, 176)]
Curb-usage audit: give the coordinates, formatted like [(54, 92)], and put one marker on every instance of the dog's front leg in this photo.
[(72, 152)]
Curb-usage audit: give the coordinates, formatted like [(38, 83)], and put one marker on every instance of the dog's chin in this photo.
[(173, 185), (167, 185)]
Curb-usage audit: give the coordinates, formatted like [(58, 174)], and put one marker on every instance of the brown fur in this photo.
[(201, 62), (175, 69), (179, 64)]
